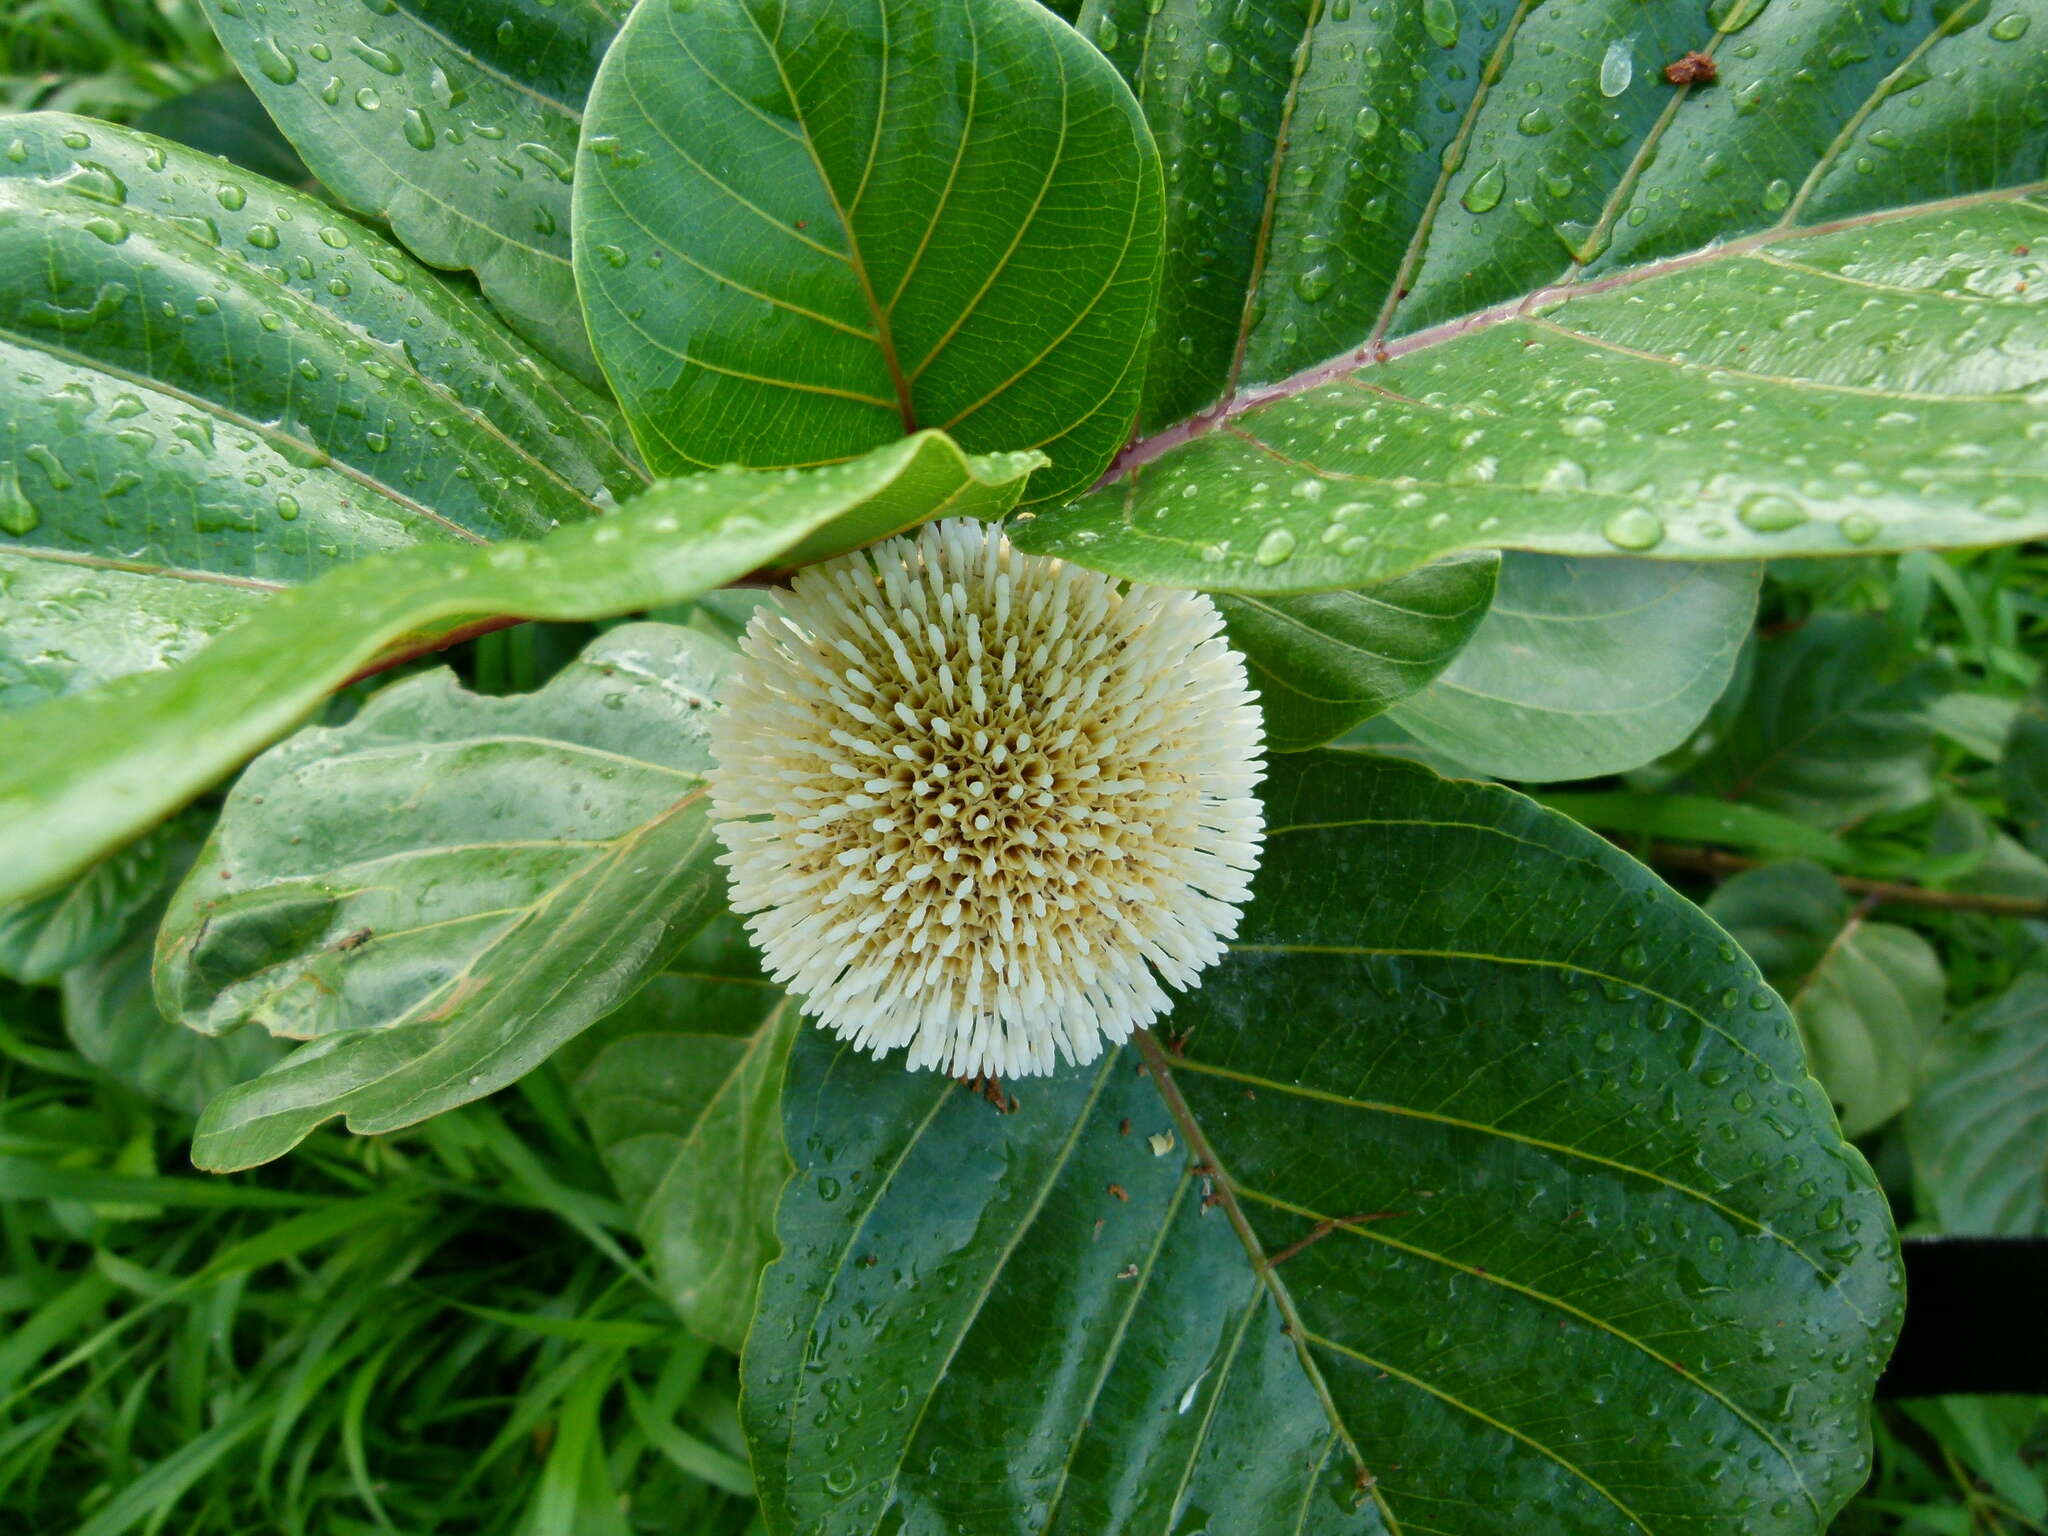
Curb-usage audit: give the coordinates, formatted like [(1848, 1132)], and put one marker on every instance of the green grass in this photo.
[(438, 1332), (104, 58)]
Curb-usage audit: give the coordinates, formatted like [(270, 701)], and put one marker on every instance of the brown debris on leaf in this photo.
[(1692, 69)]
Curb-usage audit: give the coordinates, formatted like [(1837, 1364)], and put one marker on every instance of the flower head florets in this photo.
[(981, 803)]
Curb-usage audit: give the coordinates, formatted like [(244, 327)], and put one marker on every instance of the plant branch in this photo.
[(1713, 861)]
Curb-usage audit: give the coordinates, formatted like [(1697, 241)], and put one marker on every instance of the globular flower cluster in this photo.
[(982, 804)]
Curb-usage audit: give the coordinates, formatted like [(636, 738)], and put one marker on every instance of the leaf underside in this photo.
[(804, 227)]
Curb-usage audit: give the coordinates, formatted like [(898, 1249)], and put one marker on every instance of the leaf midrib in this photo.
[(1145, 450)]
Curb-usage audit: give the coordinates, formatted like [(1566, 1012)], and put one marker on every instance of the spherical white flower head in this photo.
[(981, 804)]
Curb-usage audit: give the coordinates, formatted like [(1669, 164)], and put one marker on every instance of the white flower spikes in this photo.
[(981, 804)]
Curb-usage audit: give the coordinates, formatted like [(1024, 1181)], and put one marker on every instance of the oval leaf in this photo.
[(455, 120), (1586, 667), (1490, 1182), (804, 228), (219, 387), (1491, 274), (93, 771), (441, 891)]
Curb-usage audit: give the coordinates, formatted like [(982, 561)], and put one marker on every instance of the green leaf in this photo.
[(1325, 661), (682, 1090), (219, 388), (440, 892), (1695, 819), (1835, 727), (1488, 279), (92, 771), (1868, 996), (2023, 770), (43, 938), (804, 228), (455, 120), (1974, 1127), (1586, 667), (1498, 1186)]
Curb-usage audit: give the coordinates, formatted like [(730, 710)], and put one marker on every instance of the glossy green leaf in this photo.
[(1484, 276), (455, 120), (805, 227), (1868, 996), (1974, 1127), (45, 937), (1835, 727), (440, 892), (682, 1090), (219, 388), (1586, 667), (1496, 1190), (92, 771), (2023, 769), (1325, 661)]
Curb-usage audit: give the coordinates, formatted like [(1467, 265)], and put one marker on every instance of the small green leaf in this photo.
[(1974, 1127), (804, 228), (1495, 1162), (682, 1089), (1327, 660), (1586, 667), (93, 770), (455, 120), (1835, 727), (1868, 996), (220, 388), (440, 892)]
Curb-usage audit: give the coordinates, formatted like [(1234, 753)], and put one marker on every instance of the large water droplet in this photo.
[(1634, 528), (2010, 28), (1777, 195), (379, 59), (1217, 57), (18, 515), (419, 133), (275, 63), (1440, 21), (1768, 512), (1485, 190), (1314, 283), (1275, 547), (1617, 67), (1367, 124), (1859, 528)]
